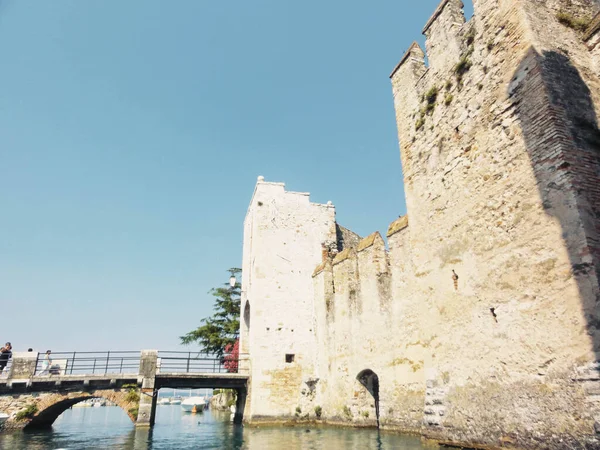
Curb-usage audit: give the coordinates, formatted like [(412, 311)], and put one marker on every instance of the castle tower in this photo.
[(284, 239), (500, 149)]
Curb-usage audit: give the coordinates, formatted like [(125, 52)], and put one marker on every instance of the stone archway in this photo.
[(245, 329), (370, 381), (50, 406)]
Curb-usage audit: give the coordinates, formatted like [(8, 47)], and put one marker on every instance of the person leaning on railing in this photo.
[(5, 354)]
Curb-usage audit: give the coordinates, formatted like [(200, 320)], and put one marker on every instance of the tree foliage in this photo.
[(222, 328)]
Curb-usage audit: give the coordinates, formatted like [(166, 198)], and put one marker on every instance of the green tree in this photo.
[(223, 327)]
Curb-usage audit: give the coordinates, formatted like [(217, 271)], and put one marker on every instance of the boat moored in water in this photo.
[(194, 404)]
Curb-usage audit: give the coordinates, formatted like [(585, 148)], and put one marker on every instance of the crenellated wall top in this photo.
[(343, 256), (439, 11), (415, 52), (369, 241), (397, 225)]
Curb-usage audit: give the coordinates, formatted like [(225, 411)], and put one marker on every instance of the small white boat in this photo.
[(194, 404), (164, 401), (176, 401)]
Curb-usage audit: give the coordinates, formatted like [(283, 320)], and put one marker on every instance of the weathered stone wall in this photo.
[(501, 176), (357, 331), (283, 237), (501, 185), (481, 320)]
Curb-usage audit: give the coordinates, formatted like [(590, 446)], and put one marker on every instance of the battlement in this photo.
[(443, 33), (343, 256), (397, 225), (415, 55), (358, 279), (268, 190), (352, 251), (440, 106)]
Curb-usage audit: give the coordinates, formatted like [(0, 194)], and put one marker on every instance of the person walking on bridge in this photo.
[(5, 354), (46, 363)]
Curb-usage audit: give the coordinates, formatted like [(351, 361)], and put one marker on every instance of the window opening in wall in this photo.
[(289, 358)]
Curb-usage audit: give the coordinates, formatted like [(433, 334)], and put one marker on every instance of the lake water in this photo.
[(109, 428)]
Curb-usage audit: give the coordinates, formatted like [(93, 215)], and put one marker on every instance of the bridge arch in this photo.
[(370, 381), (51, 406)]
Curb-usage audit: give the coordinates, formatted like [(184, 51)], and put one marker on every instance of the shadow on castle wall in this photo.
[(556, 112)]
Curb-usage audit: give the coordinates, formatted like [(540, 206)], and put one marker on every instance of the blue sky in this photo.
[(132, 134)]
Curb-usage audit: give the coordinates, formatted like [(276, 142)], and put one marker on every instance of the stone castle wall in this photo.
[(501, 159)]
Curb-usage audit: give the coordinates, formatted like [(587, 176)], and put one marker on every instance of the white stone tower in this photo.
[(284, 234)]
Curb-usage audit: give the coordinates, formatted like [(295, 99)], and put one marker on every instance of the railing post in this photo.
[(72, 363), (94, 367), (107, 359), (148, 394), (121, 368), (188, 362)]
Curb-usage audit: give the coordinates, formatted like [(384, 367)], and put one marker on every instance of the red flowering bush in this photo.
[(232, 356)]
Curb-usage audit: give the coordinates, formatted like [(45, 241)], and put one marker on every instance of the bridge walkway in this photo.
[(146, 371)]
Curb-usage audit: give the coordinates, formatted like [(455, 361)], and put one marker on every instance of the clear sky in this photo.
[(132, 133)]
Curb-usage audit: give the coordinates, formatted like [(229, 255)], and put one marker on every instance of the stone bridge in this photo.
[(34, 399), (42, 409)]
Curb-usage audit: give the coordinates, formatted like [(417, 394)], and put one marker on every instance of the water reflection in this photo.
[(109, 427), (302, 439)]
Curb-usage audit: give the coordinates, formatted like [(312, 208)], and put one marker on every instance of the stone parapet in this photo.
[(23, 365)]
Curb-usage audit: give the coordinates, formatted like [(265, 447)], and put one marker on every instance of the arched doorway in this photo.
[(370, 381), (245, 329)]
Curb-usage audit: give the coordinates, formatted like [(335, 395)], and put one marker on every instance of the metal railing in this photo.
[(88, 363), (194, 362), (123, 362)]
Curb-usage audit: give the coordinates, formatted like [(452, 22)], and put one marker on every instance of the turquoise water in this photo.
[(109, 428)]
